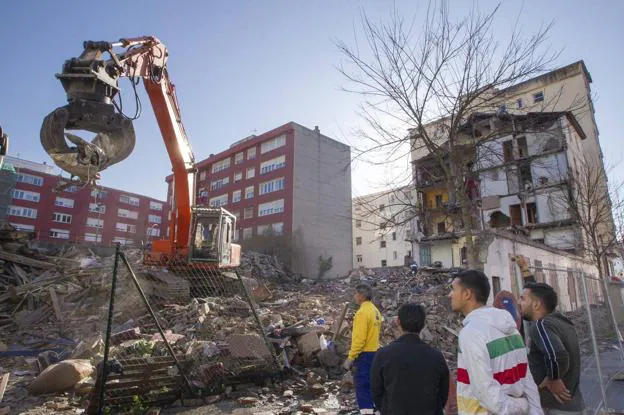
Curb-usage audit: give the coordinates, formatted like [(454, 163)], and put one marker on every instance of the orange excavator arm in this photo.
[(91, 85)]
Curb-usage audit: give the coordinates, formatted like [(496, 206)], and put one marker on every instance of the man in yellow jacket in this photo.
[(364, 344)]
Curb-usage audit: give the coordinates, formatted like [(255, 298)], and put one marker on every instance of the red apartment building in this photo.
[(287, 179), (103, 215)]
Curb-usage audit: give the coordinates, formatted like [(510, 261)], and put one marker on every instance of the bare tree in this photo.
[(592, 204), (429, 81)]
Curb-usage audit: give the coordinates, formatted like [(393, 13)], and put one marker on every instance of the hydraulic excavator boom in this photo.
[(91, 84)]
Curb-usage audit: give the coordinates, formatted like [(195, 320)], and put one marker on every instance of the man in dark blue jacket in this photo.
[(409, 376)]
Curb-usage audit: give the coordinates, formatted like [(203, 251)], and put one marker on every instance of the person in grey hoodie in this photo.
[(554, 355)]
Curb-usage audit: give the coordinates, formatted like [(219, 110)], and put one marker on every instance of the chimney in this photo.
[(316, 129)]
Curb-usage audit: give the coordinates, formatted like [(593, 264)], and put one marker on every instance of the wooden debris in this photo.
[(55, 304), (4, 381), (20, 259)]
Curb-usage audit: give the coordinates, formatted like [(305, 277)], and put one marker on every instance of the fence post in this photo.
[(618, 335), (593, 338), (109, 326)]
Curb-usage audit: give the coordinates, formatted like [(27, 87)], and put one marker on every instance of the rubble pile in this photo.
[(603, 326), (54, 305)]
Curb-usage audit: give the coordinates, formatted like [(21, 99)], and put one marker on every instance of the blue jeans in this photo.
[(361, 378)]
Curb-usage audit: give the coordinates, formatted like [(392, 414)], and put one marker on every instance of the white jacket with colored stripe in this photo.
[(492, 367)]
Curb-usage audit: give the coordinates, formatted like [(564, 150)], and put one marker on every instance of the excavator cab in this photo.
[(211, 237)]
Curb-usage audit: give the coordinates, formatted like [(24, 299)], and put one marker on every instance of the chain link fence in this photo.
[(187, 331), (583, 299)]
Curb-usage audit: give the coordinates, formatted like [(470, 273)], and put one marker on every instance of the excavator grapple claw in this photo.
[(114, 140)]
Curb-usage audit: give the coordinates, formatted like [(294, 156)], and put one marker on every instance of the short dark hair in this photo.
[(544, 292), (477, 282), (365, 290), (412, 317)]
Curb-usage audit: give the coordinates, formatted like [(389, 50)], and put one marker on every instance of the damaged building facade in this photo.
[(526, 172), (381, 228), (521, 150)]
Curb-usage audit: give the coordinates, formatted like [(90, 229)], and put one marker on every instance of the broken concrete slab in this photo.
[(308, 344), (61, 376), (248, 346)]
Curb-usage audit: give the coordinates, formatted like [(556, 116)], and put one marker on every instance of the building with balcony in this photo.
[(290, 181), (103, 215), (382, 228)]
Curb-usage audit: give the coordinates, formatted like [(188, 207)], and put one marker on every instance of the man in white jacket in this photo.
[(492, 364)]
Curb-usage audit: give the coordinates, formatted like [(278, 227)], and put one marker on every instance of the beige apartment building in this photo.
[(564, 90), (381, 228)]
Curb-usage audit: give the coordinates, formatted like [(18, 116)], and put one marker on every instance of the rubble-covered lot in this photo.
[(53, 318)]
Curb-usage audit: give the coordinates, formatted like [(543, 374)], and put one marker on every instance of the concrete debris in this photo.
[(61, 376)]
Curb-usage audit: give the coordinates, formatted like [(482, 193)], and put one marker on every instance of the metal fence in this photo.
[(182, 332), (584, 299)]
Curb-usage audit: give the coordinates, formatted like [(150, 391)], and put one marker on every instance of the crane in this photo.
[(91, 83)]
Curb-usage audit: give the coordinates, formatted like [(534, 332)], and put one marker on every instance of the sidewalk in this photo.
[(611, 363)]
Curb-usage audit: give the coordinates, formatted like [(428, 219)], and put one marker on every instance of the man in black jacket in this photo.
[(554, 355), (409, 376)]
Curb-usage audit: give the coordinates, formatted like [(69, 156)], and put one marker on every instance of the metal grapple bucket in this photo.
[(114, 140)]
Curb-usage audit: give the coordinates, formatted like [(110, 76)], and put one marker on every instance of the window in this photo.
[(525, 174), (463, 255), (153, 231), (384, 263), (95, 223), (496, 285), (238, 176), (515, 211), (263, 229), (523, 150), (220, 165), (382, 244), (247, 233), (394, 255), (25, 195), (218, 200), (358, 223), (61, 218), (237, 214), (251, 172), (358, 240), (531, 212), (22, 211), (508, 151), (441, 227), (154, 219), (72, 189), (97, 207), (272, 144), (251, 153), (394, 236), (218, 184), (236, 196), (358, 258), (271, 208), (273, 164), (99, 194), (123, 213), (438, 201), (59, 233), (538, 96), (64, 202), (202, 176), (271, 186), (382, 208), (383, 225), (23, 227), (156, 206), (236, 235), (278, 228), (125, 227), (93, 237), (519, 103), (131, 200), (239, 158), (539, 272), (122, 241), (248, 213), (29, 179), (249, 192)]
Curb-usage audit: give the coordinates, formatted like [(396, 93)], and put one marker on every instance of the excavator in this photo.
[(197, 235), (4, 146)]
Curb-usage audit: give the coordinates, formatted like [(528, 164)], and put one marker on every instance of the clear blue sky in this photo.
[(244, 67)]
